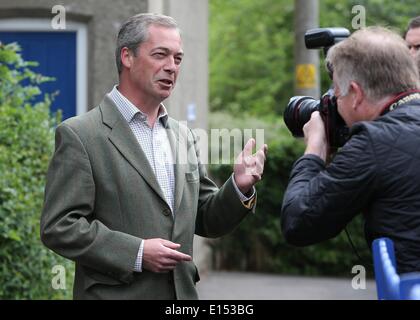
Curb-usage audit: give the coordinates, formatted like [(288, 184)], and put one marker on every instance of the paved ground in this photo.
[(218, 285)]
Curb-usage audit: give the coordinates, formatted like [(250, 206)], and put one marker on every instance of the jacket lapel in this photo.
[(124, 140), (178, 141)]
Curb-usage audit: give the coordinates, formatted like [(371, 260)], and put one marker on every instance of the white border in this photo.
[(35, 24)]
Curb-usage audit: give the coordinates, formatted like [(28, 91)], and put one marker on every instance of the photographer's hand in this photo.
[(315, 137)]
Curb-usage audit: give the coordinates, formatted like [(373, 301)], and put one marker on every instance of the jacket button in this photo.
[(166, 212)]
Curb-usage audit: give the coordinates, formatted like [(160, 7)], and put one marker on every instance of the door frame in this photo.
[(44, 24)]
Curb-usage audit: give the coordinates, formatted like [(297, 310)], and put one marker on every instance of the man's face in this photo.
[(344, 106), (413, 41), (354, 106), (154, 70)]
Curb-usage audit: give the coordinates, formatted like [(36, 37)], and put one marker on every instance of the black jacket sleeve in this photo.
[(320, 200)]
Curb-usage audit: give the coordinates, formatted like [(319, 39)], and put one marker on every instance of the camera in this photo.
[(299, 109)]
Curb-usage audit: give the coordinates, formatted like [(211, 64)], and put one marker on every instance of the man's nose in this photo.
[(170, 65)]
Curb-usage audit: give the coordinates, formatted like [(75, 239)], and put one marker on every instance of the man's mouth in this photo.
[(166, 82)]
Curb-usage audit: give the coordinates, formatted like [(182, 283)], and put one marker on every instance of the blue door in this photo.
[(56, 54)]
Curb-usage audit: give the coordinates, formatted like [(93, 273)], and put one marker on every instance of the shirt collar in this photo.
[(129, 110)]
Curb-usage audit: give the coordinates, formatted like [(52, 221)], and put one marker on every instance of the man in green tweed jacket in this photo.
[(126, 191)]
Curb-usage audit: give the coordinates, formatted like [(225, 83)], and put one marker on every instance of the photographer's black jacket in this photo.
[(376, 173)]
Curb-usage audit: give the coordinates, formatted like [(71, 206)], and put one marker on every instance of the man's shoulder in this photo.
[(95, 117), (83, 122), (380, 127), (406, 117), (401, 125), (92, 115)]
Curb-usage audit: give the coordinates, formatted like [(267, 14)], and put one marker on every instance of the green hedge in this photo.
[(257, 244), (26, 144)]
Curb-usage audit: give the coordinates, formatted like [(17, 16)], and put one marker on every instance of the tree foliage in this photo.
[(250, 54), (26, 144), (251, 47)]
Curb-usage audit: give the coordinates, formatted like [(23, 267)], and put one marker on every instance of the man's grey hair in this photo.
[(135, 31), (377, 59)]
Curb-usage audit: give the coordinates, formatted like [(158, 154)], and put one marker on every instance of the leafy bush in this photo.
[(257, 244), (26, 144)]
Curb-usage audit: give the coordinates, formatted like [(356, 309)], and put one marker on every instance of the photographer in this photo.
[(377, 171)]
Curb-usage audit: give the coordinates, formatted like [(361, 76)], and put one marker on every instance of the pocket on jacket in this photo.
[(193, 176), (193, 272), (197, 275), (92, 278)]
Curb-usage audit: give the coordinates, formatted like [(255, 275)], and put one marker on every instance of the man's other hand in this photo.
[(160, 255), (249, 168)]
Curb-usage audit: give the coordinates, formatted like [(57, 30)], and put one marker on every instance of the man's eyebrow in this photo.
[(167, 50)]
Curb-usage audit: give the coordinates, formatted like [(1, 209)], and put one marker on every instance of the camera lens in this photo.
[(298, 112)]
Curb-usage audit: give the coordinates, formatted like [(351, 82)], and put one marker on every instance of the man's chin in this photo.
[(165, 94)]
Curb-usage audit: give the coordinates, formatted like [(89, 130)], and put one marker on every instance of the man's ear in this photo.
[(358, 94), (126, 57)]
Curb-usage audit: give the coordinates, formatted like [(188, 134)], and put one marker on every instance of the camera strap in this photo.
[(401, 99), (361, 260)]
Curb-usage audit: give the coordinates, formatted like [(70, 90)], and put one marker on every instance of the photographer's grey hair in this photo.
[(376, 58), (136, 30)]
